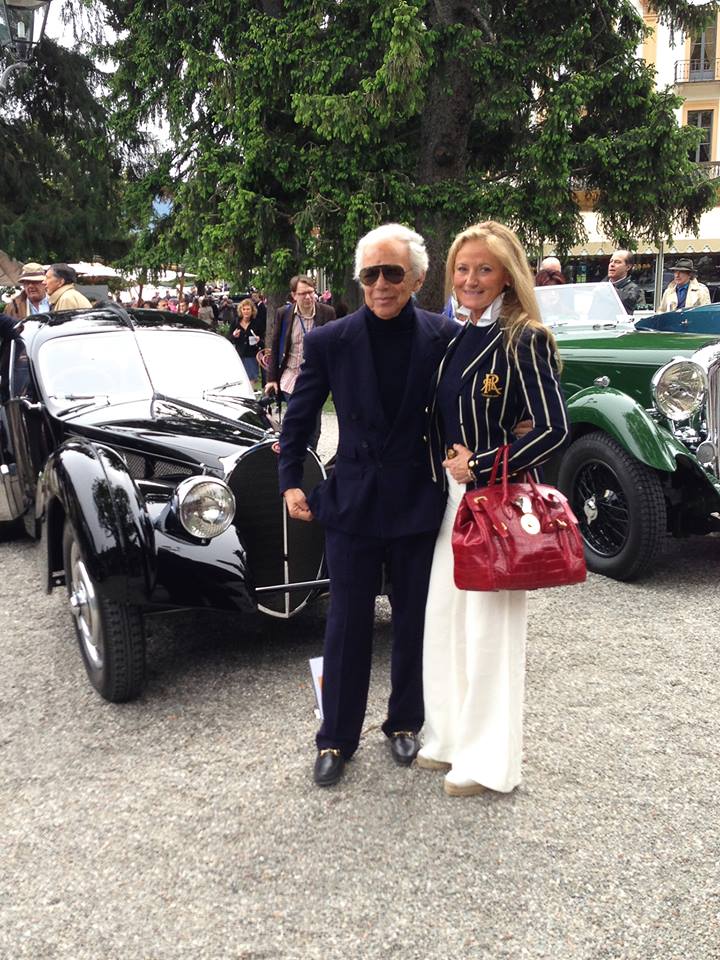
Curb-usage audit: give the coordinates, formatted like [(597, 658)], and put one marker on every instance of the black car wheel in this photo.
[(619, 504), (110, 634)]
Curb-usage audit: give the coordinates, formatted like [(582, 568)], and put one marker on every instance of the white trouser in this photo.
[(473, 672)]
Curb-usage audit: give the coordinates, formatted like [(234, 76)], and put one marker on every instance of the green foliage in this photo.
[(297, 126), (60, 174)]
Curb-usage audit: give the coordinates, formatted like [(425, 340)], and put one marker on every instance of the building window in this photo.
[(702, 55), (702, 119)]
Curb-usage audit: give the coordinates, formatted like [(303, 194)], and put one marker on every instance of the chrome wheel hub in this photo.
[(84, 608), (590, 509)]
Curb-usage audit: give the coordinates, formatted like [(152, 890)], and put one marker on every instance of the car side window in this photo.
[(19, 365)]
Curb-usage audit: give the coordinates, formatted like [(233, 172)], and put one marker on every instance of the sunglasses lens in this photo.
[(394, 273), (369, 276)]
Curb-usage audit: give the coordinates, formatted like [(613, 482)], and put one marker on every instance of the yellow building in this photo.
[(692, 65)]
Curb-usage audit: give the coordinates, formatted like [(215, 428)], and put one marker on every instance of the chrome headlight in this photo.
[(205, 506), (679, 389)]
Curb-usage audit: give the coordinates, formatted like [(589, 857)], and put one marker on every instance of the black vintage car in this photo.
[(131, 442)]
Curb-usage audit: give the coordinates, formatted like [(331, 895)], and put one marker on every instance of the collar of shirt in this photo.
[(490, 314), (403, 321), (310, 316), (43, 307)]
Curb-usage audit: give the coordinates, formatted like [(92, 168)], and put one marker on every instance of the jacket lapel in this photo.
[(421, 370), (489, 347)]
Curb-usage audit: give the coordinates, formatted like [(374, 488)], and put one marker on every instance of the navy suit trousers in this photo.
[(355, 565)]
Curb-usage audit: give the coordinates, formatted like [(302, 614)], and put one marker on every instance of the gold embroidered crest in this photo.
[(490, 386)]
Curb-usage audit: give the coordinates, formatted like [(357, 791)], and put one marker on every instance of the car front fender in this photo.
[(622, 418), (107, 511)]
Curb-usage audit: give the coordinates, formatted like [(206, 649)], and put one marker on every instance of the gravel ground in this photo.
[(186, 825)]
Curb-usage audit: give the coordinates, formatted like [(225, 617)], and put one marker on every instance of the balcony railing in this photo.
[(710, 169), (693, 71)]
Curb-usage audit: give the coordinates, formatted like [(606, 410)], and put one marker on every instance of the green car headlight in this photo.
[(205, 506), (679, 389)]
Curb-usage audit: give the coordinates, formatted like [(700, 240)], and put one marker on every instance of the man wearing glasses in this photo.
[(33, 298), (292, 324), (379, 506)]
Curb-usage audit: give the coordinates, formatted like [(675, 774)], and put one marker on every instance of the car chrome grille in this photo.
[(265, 530), (150, 468), (709, 358), (713, 409)]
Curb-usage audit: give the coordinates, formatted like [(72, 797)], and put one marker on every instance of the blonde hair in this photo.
[(242, 304), (520, 308)]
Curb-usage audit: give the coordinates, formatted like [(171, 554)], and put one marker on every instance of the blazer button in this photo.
[(425, 439), (364, 444)]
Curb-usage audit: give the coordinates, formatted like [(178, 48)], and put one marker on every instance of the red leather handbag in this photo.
[(516, 536)]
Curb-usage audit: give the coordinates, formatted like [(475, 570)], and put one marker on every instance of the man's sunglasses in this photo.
[(392, 272)]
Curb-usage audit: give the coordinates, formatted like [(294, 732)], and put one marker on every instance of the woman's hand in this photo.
[(456, 464), (297, 505), (522, 427)]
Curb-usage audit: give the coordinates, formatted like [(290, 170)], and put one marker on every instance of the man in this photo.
[(33, 298), (380, 504), (685, 290), (292, 324), (60, 280), (632, 296), (551, 264)]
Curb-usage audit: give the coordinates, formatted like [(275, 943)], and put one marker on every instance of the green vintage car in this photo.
[(643, 459)]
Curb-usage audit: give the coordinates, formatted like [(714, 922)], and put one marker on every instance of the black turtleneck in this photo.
[(391, 344)]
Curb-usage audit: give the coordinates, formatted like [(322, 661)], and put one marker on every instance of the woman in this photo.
[(247, 340), (500, 369), (206, 312)]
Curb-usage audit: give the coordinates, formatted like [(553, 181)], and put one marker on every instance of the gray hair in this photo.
[(395, 231)]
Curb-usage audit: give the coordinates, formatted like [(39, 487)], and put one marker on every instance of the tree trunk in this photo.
[(444, 142)]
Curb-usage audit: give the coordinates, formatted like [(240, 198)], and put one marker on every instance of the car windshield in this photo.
[(593, 305), (104, 365), (110, 367), (190, 364)]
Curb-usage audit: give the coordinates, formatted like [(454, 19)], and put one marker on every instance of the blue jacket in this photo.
[(498, 388), (381, 484)]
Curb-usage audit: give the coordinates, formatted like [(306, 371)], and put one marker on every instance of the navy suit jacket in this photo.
[(501, 386), (381, 485)]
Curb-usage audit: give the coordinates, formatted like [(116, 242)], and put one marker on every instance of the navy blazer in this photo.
[(381, 484), (498, 388)]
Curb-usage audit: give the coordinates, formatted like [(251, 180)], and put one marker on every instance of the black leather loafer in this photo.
[(404, 745), (329, 767)]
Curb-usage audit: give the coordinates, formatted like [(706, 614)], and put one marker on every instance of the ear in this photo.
[(419, 282)]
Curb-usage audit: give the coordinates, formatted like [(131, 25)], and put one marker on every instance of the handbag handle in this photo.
[(495, 466), (504, 454)]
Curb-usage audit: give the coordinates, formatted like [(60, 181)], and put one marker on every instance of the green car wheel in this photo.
[(619, 504)]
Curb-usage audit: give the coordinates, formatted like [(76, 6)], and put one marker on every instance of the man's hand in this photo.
[(270, 387), (457, 464), (522, 427), (297, 505)]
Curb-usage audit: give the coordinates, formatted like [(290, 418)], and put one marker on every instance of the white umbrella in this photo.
[(94, 270)]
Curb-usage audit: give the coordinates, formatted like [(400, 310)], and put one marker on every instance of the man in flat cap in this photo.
[(685, 290), (33, 298)]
